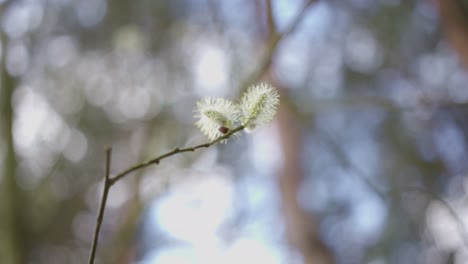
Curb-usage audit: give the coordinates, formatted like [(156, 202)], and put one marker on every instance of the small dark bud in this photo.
[(223, 129)]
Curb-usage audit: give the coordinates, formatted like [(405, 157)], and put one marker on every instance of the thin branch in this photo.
[(156, 160), (102, 206), (108, 181)]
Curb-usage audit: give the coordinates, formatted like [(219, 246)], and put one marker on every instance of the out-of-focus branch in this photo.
[(11, 240), (270, 20), (271, 46), (301, 228), (454, 19), (453, 213), (215, 16), (347, 162)]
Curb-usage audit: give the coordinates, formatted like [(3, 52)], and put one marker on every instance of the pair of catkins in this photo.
[(256, 108)]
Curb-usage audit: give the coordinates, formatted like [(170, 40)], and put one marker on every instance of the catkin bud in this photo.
[(258, 106), (216, 116)]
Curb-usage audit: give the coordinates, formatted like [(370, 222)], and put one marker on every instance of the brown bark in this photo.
[(454, 21), (301, 227)]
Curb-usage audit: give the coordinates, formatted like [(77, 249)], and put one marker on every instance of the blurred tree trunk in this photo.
[(454, 21), (302, 230), (10, 206)]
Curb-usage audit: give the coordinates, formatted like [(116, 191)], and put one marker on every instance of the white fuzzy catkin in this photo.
[(214, 114), (258, 106)]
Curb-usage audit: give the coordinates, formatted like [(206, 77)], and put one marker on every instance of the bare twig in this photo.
[(171, 153), (102, 206), (108, 181)]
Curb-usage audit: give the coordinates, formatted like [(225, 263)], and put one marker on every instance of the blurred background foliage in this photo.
[(366, 162)]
